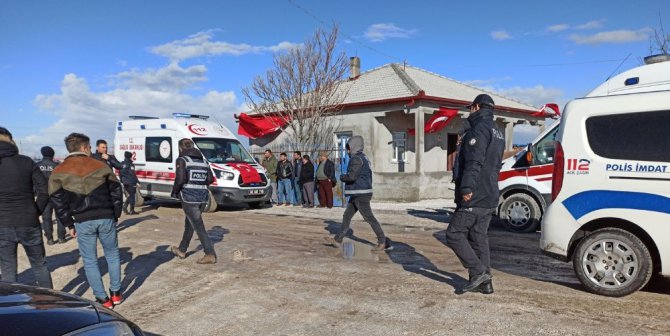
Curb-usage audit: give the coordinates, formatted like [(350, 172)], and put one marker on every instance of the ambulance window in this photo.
[(158, 149), (631, 136), (543, 150)]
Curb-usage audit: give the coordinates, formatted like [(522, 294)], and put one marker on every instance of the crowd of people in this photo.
[(87, 198)]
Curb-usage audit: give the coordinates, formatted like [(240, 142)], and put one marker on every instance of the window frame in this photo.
[(396, 147), (158, 159)]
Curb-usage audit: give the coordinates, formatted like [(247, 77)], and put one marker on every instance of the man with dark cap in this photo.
[(358, 186), (479, 163), (101, 155), (23, 196), (130, 182), (47, 165)]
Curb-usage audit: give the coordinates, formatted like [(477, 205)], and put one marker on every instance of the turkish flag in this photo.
[(438, 121), (548, 111), (258, 126)]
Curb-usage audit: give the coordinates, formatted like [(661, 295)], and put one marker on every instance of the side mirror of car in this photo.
[(529, 153)]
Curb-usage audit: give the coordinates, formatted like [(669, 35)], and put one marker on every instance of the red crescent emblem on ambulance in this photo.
[(197, 129)]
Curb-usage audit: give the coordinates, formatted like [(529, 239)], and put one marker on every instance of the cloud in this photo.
[(487, 82), (201, 44), (595, 24), (381, 31), (615, 36), (500, 35), (152, 92), (558, 27), (536, 95)]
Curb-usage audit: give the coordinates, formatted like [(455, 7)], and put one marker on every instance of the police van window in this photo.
[(158, 149), (543, 150), (217, 150), (631, 136)]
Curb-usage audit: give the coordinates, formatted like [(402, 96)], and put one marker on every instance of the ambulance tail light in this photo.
[(559, 166)]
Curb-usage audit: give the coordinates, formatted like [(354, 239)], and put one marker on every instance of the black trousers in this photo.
[(360, 204), (467, 235), (31, 240), (48, 225), (194, 222), (130, 200)]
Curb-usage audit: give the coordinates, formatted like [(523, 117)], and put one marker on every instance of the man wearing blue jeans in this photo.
[(285, 181), (88, 199)]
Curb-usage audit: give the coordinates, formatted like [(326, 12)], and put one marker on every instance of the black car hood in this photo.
[(27, 310)]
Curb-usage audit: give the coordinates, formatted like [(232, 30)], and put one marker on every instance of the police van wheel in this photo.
[(520, 213), (139, 200), (211, 205), (612, 262)]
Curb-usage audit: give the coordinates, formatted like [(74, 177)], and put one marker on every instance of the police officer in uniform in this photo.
[(130, 182), (479, 162), (47, 165), (193, 175)]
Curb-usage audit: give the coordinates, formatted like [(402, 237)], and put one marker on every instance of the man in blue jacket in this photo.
[(479, 162), (358, 186)]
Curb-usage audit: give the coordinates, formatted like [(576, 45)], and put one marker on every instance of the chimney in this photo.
[(354, 67)]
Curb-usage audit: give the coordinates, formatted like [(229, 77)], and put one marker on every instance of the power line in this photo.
[(545, 65), (366, 46)]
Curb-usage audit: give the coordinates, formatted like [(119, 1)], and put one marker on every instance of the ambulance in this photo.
[(610, 210), (153, 143), (525, 183)]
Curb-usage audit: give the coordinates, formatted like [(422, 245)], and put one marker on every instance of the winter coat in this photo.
[(20, 181), (127, 173), (358, 179), (284, 170), (329, 170), (307, 172), (270, 166), (47, 166), (480, 161), (181, 176), (111, 161), (297, 169)]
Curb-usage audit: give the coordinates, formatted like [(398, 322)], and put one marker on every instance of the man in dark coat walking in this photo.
[(21, 181)]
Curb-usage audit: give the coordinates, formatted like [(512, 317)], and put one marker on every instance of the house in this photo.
[(390, 107)]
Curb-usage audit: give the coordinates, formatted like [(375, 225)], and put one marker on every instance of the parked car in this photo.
[(27, 311), (610, 212)]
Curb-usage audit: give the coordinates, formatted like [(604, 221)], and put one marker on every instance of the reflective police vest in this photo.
[(363, 184), (195, 188)]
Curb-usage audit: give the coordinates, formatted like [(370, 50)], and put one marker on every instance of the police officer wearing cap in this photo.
[(47, 165), (479, 162), (193, 175)]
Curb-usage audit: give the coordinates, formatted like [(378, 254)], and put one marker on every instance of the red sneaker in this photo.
[(106, 302), (116, 297)]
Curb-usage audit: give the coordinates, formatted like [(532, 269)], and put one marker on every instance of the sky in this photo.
[(83, 65)]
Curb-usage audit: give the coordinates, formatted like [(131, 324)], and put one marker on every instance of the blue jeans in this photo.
[(298, 192), (88, 234), (31, 240), (285, 192)]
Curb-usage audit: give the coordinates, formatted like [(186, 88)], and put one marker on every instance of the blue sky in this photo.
[(81, 65)]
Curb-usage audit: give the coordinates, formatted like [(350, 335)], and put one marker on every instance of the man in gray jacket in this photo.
[(358, 186)]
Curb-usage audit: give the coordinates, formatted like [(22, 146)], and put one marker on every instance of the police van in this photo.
[(153, 143), (525, 183), (610, 212)]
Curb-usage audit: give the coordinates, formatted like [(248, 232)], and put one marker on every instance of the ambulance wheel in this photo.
[(520, 213), (139, 200), (211, 205), (612, 262)]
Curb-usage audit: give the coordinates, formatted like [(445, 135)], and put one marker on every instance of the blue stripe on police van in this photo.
[(586, 202)]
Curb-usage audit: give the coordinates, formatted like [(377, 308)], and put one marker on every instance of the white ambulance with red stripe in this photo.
[(154, 145), (525, 183)]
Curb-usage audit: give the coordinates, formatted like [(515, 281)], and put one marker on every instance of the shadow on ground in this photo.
[(439, 215), (140, 268)]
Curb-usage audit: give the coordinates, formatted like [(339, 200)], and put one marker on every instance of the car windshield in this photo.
[(218, 150)]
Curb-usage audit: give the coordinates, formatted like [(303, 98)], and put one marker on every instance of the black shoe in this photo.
[(476, 281), (50, 241), (133, 213), (485, 288), (332, 241), (62, 241)]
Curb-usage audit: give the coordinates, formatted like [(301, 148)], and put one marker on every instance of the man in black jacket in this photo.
[(193, 175), (101, 155), (130, 182), (87, 197), (480, 160), (47, 166), (285, 181), (19, 212)]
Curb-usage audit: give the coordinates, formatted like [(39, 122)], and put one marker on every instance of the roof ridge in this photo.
[(411, 85), (472, 86)]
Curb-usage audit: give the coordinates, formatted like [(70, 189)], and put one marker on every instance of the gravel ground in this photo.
[(276, 276)]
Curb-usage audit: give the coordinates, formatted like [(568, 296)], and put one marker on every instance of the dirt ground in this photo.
[(276, 276)]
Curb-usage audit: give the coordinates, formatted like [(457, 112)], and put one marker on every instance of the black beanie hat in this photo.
[(128, 155), (47, 152)]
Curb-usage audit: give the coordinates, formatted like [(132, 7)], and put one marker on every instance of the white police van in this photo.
[(154, 145), (525, 183), (610, 213)]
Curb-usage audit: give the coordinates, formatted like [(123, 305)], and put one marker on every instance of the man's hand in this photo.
[(73, 233), (467, 197), (105, 156)]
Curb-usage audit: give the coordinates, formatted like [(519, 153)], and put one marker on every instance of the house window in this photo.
[(399, 146)]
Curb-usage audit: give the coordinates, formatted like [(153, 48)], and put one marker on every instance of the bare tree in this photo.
[(304, 89), (660, 41)]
